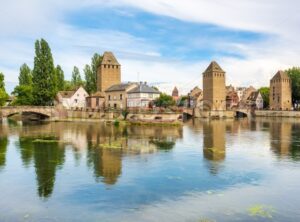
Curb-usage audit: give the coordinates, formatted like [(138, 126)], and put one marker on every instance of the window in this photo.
[(108, 97), (76, 100), (97, 102), (121, 96)]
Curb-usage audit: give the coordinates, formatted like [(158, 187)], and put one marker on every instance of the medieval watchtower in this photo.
[(109, 72), (214, 95), (280, 92)]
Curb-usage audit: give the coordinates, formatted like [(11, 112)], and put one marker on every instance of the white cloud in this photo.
[(21, 22)]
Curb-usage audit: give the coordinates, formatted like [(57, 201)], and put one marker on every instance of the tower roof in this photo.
[(214, 67), (109, 59), (281, 75)]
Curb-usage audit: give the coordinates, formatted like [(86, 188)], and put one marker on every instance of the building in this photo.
[(232, 100), (280, 92), (255, 101), (244, 95), (214, 95), (240, 92), (116, 95), (195, 98), (142, 96), (96, 100), (109, 72), (175, 94), (72, 99)]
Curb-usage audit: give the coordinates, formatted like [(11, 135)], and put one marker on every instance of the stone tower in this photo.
[(214, 89), (109, 72), (280, 92)]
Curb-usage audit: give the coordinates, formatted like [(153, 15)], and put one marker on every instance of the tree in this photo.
[(43, 75), (88, 73), (265, 93), (76, 77), (23, 95), (59, 78), (25, 76), (182, 100), (91, 73), (3, 94), (164, 100), (294, 74)]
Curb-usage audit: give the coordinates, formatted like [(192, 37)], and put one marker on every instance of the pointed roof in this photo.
[(214, 67), (109, 59), (143, 88), (253, 96), (281, 75)]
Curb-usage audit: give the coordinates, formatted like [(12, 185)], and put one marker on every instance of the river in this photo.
[(203, 171)]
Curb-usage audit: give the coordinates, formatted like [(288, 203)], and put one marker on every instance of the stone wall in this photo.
[(214, 114), (270, 113)]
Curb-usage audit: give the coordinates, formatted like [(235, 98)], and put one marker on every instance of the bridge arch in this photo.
[(44, 112), (241, 114)]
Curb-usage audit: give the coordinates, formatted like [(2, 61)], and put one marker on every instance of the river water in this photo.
[(219, 170)]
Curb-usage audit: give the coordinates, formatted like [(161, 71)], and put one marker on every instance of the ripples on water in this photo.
[(204, 171)]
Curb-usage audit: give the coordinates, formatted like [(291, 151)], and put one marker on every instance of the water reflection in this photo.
[(284, 139), (43, 146), (47, 156), (214, 143), (97, 166), (3, 149), (107, 164)]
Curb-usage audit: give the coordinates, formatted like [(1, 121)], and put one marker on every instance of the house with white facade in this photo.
[(72, 99), (142, 96), (255, 100)]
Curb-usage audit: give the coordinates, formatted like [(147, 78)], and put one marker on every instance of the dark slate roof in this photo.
[(143, 88), (281, 75), (214, 67), (109, 59), (119, 87), (66, 94), (253, 96)]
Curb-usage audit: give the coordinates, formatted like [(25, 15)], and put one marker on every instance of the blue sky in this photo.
[(166, 42)]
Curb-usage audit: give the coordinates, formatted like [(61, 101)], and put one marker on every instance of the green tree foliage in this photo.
[(43, 75), (23, 95), (25, 76), (182, 100), (294, 74), (3, 94), (68, 86), (90, 73), (265, 93), (89, 86), (164, 100), (23, 91), (76, 77), (59, 78)]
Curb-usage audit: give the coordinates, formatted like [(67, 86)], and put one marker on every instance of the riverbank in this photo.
[(122, 122), (272, 113)]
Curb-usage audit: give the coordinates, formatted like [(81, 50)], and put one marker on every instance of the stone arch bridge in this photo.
[(197, 112), (49, 112)]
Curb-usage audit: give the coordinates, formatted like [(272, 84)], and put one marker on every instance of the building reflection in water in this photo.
[(214, 143), (280, 133), (43, 147), (108, 145)]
